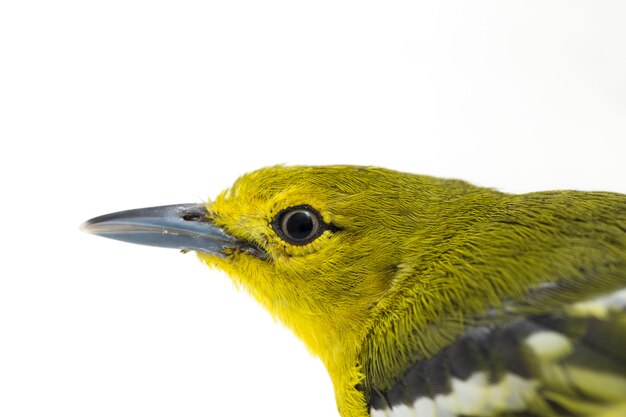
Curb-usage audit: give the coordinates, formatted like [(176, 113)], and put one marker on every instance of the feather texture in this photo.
[(424, 296), (436, 297)]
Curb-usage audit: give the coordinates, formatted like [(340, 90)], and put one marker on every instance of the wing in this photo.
[(569, 363)]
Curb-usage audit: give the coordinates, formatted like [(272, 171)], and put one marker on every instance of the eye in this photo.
[(299, 225)]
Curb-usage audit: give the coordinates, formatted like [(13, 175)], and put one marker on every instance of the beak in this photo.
[(181, 226)]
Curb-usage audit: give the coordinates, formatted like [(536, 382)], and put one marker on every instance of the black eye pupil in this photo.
[(299, 225)]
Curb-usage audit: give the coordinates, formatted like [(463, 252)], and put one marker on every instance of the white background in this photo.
[(121, 104)]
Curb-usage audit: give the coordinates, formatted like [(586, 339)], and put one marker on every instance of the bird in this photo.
[(422, 296)]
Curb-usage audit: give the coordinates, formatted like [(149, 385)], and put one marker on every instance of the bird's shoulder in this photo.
[(571, 362)]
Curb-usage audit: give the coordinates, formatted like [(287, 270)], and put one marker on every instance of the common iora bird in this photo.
[(423, 296)]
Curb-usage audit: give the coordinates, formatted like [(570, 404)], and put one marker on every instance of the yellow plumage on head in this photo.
[(423, 295)]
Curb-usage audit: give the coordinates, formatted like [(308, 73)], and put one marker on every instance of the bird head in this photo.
[(319, 247)]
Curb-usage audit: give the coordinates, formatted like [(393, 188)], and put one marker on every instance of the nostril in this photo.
[(196, 213), (193, 217)]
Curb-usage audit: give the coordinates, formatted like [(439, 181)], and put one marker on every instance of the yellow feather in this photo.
[(404, 265)]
